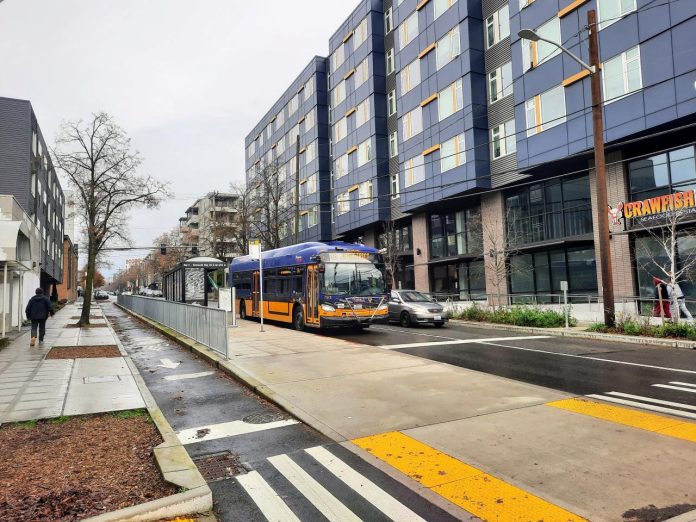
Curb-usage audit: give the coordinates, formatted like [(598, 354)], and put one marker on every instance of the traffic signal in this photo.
[(163, 250)]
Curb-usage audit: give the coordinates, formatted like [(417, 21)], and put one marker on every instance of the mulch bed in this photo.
[(83, 352), (67, 470), (71, 325)]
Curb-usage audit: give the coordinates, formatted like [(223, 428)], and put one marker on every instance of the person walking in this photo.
[(680, 306), (38, 309), (661, 307)]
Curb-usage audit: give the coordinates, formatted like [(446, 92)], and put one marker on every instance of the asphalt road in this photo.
[(654, 378)]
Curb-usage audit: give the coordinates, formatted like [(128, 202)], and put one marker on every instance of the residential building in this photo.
[(67, 289), (481, 143)]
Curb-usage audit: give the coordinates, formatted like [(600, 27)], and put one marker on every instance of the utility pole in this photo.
[(297, 189), (601, 173)]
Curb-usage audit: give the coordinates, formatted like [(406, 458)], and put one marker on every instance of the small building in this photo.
[(189, 282)]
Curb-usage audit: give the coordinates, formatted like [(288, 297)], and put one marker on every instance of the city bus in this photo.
[(315, 285)]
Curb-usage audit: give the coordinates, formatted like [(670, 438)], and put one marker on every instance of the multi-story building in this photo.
[(67, 289), (27, 174), (209, 225), (476, 145)]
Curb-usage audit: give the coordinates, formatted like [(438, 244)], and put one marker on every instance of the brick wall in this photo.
[(68, 288), (419, 225)]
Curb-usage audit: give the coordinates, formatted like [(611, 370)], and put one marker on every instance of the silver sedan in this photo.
[(412, 307)]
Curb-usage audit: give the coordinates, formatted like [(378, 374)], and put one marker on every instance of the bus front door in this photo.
[(255, 295), (312, 295)]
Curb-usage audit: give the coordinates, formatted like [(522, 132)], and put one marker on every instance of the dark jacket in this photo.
[(38, 308)]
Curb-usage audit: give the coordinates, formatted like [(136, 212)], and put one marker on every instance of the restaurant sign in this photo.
[(655, 209)]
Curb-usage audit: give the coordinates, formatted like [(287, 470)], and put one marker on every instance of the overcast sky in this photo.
[(187, 79)]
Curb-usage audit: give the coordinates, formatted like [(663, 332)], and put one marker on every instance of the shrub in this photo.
[(473, 313), (517, 316), (682, 330), (631, 328), (597, 328)]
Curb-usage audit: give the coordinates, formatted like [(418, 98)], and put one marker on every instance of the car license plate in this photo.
[(438, 318), (357, 306)]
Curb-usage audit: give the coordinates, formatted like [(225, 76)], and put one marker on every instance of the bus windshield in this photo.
[(353, 279)]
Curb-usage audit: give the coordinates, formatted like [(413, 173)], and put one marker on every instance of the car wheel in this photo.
[(298, 321), (242, 310), (405, 319), (439, 325)]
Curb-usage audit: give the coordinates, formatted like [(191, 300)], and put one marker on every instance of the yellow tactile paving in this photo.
[(479, 493), (628, 417)]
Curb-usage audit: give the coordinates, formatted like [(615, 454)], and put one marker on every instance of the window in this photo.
[(452, 153), (365, 193), (622, 74), (360, 34), (362, 113), (662, 174), (308, 89), (391, 103), (498, 26), (390, 61), (395, 185), (457, 233), (393, 145), (525, 3), (269, 130), (447, 48), (280, 146), (343, 203), (388, 21), (364, 153), (309, 186), (361, 73), (340, 129), (293, 104), (414, 171), (337, 58), (408, 30), (442, 5), (309, 121), (295, 131), (310, 153), (341, 166), (545, 110), (412, 123), (450, 100), (535, 53), (339, 93), (280, 119), (410, 76), (500, 82), (503, 141), (610, 11)]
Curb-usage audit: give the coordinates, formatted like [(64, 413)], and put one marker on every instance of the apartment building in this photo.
[(476, 145), (208, 226)]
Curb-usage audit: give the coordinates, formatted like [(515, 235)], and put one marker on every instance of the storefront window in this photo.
[(456, 234), (550, 210), (656, 175), (465, 281)]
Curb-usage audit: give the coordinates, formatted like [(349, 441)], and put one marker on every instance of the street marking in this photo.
[(363, 486), (325, 502), (483, 341), (267, 500), (683, 384), (675, 388), (650, 399), (228, 429), (167, 363), (659, 409), (460, 341), (411, 332), (636, 419), (481, 494), (183, 376)]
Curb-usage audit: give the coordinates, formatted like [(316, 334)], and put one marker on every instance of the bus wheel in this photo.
[(298, 321), (242, 310)]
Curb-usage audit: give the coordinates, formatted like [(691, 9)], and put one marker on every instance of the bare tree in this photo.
[(500, 250), (392, 248), (242, 230), (270, 211), (97, 159)]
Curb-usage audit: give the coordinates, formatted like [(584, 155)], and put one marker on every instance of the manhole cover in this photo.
[(219, 466), (264, 417)]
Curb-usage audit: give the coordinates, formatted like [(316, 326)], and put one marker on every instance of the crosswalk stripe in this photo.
[(460, 341), (228, 429), (325, 502), (645, 406), (670, 387), (267, 500), (683, 384), (363, 486), (650, 399)]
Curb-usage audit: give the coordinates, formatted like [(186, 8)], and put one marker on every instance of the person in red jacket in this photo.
[(661, 307), (38, 309)]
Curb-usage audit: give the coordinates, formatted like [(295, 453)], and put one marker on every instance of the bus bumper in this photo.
[(362, 320)]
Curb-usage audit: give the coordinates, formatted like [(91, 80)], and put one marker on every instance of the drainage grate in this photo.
[(219, 466), (264, 417)]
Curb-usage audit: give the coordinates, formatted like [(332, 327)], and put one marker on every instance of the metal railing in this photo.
[(207, 326)]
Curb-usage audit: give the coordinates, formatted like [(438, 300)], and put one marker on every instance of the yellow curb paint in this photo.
[(628, 417), (479, 493)]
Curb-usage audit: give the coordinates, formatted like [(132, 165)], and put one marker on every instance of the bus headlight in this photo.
[(327, 308), (383, 306)]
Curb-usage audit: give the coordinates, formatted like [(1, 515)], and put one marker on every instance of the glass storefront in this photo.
[(465, 280)]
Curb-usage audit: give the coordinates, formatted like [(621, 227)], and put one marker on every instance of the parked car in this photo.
[(412, 307), (100, 295)]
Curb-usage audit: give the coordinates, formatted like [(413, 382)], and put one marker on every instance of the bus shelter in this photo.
[(189, 281)]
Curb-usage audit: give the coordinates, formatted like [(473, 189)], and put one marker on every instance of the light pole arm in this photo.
[(590, 68)]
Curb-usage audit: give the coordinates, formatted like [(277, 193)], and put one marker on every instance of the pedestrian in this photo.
[(38, 309), (680, 306), (661, 307)]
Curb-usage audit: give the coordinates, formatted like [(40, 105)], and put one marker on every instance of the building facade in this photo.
[(475, 145), (209, 226)]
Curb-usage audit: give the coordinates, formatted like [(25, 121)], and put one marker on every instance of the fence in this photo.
[(207, 326)]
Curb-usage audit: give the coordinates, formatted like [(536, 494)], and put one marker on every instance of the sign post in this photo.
[(564, 287), (255, 251)]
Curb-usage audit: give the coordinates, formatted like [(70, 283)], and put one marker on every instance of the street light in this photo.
[(600, 164)]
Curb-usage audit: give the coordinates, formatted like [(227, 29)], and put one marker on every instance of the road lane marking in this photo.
[(678, 388), (267, 500), (683, 384), (184, 376), (650, 399), (460, 341), (481, 494), (363, 486), (483, 341), (228, 429), (328, 505), (412, 332), (659, 409), (636, 419)]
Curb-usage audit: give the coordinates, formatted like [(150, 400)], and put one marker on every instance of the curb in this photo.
[(173, 461), (617, 338)]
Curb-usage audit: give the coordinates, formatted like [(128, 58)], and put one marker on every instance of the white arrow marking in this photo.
[(158, 349), (166, 363)]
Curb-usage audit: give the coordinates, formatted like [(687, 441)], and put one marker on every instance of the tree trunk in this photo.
[(89, 285)]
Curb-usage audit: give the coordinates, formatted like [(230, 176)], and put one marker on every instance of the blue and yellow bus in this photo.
[(313, 285)]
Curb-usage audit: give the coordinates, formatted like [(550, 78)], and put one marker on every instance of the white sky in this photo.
[(187, 79)]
